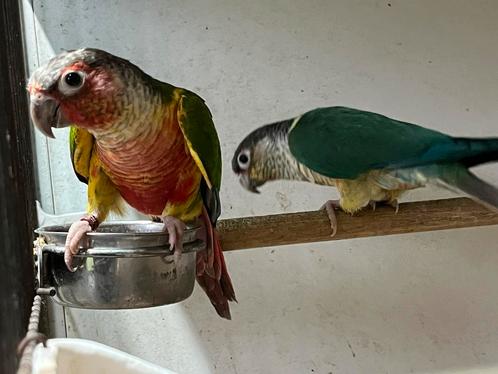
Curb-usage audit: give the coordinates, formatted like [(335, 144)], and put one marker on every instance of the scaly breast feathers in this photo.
[(155, 174)]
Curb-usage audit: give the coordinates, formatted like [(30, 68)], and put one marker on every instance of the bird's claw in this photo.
[(330, 206), (175, 229), (373, 205), (395, 205), (76, 232)]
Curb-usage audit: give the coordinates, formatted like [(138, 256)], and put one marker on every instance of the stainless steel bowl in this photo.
[(121, 265)]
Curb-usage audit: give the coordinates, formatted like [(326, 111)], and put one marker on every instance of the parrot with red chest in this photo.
[(137, 139)]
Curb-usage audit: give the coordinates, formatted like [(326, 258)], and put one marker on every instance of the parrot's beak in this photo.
[(45, 114), (249, 184)]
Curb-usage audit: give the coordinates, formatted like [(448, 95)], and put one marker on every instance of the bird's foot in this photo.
[(74, 236), (394, 203), (330, 206), (175, 229)]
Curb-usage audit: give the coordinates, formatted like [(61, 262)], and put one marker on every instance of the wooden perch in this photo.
[(307, 227)]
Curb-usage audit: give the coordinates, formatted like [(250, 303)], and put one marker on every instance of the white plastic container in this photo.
[(80, 356)]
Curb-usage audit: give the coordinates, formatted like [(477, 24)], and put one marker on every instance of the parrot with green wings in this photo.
[(137, 139), (368, 157)]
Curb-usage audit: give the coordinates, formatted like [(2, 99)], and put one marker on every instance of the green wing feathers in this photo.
[(198, 129), (200, 135)]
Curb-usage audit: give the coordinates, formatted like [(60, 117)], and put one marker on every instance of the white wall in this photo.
[(412, 303)]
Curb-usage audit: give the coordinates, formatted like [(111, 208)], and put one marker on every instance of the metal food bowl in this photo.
[(121, 265)]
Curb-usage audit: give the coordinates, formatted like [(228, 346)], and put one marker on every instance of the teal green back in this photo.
[(341, 142)]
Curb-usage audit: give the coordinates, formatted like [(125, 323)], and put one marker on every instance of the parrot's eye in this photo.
[(243, 160), (71, 82), (73, 79)]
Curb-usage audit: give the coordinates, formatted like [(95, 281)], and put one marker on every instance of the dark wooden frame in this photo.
[(17, 189)]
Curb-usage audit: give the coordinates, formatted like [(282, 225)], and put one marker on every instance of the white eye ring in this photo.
[(71, 82), (244, 159)]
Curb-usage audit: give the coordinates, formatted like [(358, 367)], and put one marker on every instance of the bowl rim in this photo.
[(46, 229)]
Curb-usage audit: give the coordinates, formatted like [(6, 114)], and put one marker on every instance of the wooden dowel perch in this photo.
[(307, 227)]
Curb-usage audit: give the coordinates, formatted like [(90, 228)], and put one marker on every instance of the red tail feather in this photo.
[(212, 274)]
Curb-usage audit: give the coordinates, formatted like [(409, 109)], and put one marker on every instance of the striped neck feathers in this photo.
[(142, 110), (276, 159), (271, 153)]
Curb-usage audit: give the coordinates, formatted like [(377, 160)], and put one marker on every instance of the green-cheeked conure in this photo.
[(368, 157), (136, 138)]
